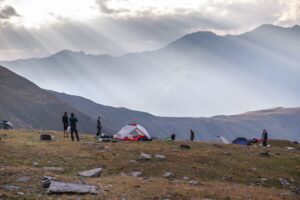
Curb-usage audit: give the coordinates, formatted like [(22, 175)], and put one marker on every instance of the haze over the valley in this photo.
[(188, 72)]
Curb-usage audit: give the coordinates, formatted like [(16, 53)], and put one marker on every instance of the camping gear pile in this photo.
[(6, 125)]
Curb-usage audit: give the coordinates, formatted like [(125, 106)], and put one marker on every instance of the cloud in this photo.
[(104, 7), (7, 12)]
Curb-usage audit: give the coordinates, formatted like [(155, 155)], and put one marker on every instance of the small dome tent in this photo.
[(133, 132), (241, 141)]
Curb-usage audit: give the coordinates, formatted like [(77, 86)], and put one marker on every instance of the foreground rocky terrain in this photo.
[(148, 170)]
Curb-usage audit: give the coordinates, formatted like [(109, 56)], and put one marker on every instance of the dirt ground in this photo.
[(205, 171)]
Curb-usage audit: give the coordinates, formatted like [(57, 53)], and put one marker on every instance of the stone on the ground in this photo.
[(45, 137), (185, 146), (11, 187), (194, 183), (23, 179), (132, 161), (265, 154), (61, 188), (186, 178), (284, 182), (145, 157), (47, 180), (20, 193), (36, 164), (91, 173), (136, 173), (56, 169), (160, 157), (169, 175)]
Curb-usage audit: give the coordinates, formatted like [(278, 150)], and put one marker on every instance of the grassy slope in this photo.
[(220, 176)]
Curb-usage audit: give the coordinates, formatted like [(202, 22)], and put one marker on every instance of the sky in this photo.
[(38, 28)]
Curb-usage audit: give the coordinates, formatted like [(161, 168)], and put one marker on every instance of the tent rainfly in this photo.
[(133, 132)]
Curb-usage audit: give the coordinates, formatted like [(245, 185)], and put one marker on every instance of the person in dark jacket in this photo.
[(99, 127), (73, 121), (264, 137), (173, 136), (65, 121), (192, 136)]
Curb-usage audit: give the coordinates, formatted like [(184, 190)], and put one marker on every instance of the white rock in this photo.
[(91, 173), (61, 187), (169, 175), (136, 173), (144, 157), (160, 157), (194, 183)]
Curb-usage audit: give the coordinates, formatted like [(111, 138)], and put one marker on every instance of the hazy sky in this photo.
[(35, 28)]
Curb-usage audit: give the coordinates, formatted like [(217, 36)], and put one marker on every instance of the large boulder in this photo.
[(71, 188)]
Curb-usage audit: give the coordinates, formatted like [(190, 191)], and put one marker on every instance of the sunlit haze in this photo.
[(168, 86)]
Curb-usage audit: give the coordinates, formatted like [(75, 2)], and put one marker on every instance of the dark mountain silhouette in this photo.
[(257, 66), (30, 107)]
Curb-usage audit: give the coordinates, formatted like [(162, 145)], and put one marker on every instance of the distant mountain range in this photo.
[(188, 77), (28, 106)]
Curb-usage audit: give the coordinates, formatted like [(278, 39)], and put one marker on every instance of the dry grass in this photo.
[(220, 176)]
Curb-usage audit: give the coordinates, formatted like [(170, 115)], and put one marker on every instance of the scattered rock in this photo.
[(61, 187), (296, 190), (263, 179), (136, 173), (265, 154), (36, 164), (45, 137), (194, 183), (186, 178), (252, 169), (169, 175), (11, 187), (160, 157), (184, 146), (48, 178), (284, 182), (145, 157), (91, 173), (23, 179), (20, 193), (290, 148), (56, 169), (132, 161), (285, 194), (47, 181)]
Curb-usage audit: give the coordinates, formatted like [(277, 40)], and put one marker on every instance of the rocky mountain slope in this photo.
[(30, 107)]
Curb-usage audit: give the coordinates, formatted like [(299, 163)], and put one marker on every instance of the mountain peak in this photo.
[(66, 52)]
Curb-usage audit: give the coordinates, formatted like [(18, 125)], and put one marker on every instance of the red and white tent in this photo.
[(132, 132)]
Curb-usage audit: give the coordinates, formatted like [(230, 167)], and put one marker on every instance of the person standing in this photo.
[(73, 121), (173, 136), (65, 121), (99, 127), (192, 135), (264, 137)]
